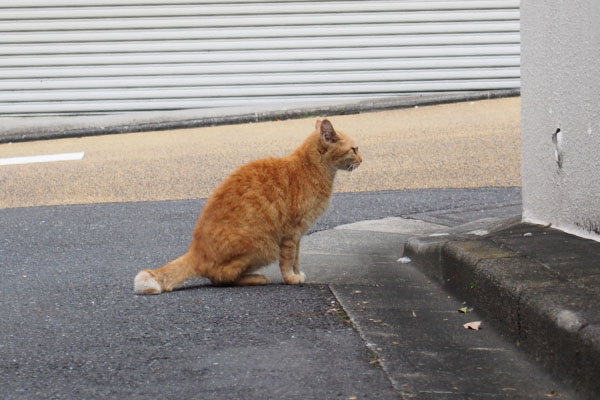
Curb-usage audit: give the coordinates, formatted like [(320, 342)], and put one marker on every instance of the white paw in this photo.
[(145, 283), (302, 277), (295, 279)]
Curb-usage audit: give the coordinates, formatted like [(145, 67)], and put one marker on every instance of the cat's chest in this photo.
[(308, 212), (308, 194)]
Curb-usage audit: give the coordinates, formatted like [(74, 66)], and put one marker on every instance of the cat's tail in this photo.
[(166, 278)]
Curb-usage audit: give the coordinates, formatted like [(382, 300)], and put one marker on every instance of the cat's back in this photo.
[(263, 177), (248, 193)]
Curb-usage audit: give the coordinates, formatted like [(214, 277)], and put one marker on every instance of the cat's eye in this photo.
[(355, 150)]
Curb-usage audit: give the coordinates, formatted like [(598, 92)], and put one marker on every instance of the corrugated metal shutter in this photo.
[(103, 56)]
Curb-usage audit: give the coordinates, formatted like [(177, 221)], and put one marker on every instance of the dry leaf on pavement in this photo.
[(475, 325)]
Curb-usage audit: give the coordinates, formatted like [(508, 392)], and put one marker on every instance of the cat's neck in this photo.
[(311, 155)]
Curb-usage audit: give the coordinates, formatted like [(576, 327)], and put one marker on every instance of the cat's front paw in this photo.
[(295, 279), (144, 283)]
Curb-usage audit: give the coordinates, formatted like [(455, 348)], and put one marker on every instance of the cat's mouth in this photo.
[(352, 167)]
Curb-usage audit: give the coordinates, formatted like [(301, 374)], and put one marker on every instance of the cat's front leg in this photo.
[(297, 260), (296, 266), (289, 261)]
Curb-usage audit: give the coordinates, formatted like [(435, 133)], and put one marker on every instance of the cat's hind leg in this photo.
[(253, 280), (166, 278), (232, 272)]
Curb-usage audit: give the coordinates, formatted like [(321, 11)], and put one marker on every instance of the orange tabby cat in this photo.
[(258, 215)]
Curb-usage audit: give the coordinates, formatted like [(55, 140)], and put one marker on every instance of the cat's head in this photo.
[(340, 151)]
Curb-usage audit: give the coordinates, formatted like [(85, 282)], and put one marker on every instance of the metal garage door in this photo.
[(103, 56)]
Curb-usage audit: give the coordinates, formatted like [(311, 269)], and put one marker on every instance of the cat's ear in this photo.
[(327, 132)]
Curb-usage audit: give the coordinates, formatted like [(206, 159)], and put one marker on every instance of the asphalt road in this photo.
[(72, 327), (75, 233)]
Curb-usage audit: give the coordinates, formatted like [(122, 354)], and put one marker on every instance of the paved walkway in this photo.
[(536, 284), (462, 145)]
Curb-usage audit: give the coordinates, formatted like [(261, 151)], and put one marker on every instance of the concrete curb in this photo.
[(43, 128), (550, 317)]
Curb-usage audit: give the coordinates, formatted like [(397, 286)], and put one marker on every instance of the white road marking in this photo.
[(478, 232), (42, 158)]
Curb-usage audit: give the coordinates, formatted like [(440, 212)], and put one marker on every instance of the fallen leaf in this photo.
[(475, 325), (465, 310), (395, 343), (414, 314)]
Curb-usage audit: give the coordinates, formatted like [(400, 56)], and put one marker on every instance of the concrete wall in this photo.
[(560, 78)]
